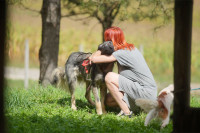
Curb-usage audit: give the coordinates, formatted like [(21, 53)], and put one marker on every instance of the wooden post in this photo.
[(182, 61), (26, 64), (2, 46), (81, 48)]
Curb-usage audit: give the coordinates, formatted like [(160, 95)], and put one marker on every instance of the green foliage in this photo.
[(92, 7), (195, 101), (159, 11), (11, 2), (104, 11), (135, 9)]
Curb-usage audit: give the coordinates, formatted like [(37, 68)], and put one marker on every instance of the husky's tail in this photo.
[(58, 78), (146, 104)]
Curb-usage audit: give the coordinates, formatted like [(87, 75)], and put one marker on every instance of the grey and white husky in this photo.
[(77, 69)]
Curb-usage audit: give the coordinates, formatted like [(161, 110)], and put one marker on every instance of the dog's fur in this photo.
[(159, 108), (58, 78), (75, 72)]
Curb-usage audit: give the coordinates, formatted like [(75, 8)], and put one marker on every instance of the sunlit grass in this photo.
[(47, 109), (195, 101)]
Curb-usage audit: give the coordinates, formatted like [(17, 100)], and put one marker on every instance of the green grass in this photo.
[(47, 110), (195, 101)]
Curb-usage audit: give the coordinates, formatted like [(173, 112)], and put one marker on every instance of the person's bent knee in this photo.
[(108, 77)]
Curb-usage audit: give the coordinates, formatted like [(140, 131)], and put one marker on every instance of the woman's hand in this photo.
[(98, 58), (97, 53), (90, 60)]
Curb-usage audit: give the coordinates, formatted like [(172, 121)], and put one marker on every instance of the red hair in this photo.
[(116, 35)]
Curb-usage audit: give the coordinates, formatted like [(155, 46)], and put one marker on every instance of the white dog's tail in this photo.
[(146, 104)]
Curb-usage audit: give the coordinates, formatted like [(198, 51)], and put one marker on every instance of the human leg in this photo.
[(112, 84)]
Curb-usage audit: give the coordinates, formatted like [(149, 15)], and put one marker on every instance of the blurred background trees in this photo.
[(84, 21), (106, 11)]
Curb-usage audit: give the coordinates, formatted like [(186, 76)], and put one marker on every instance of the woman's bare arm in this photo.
[(103, 59), (98, 58), (97, 53)]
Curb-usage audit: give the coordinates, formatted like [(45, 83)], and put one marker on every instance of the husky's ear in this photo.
[(100, 47), (111, 46), (106, 48)]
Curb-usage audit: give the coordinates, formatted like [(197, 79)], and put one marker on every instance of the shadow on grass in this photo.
[(81, 104)]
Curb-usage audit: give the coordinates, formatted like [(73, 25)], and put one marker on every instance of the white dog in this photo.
[(159, 108)]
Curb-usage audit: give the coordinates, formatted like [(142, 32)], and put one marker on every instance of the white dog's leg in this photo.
[(73, 99), (103, 91), (73, 102), (97, 100), (152, 114)]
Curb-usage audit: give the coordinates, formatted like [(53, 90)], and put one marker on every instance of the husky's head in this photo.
[(106, 48)]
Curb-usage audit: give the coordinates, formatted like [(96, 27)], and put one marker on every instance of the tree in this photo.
[(185, 118), (106, 11), (3, 12), (48, 54), (160, 10)]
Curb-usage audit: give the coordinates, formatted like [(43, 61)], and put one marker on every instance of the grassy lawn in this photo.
[(47, 110)]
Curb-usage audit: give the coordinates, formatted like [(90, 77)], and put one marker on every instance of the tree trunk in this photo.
[(182, 61), (3, 12), (105, 25), (48, 54), (109, 16)]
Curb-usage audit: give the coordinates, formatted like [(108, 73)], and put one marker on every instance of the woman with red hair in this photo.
[(134, 80)]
